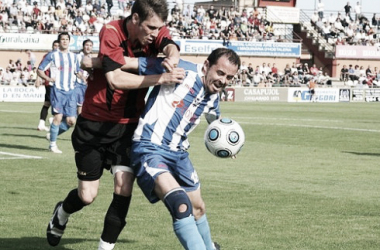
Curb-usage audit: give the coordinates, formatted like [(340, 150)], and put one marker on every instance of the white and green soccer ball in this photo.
[(224, 138)]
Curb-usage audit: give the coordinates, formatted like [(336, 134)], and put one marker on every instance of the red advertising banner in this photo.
[(357, 52)]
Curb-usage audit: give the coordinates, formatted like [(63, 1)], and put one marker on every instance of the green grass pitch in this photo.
[(306, 179)]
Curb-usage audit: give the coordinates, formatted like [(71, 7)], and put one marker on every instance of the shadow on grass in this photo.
[(8, 146), (361, 153), (42, 136), (37, 243)]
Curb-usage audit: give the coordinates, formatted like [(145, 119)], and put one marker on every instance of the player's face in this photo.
[(55, 46), (148, 29), (218, 75), (87, 48), (64, 43)]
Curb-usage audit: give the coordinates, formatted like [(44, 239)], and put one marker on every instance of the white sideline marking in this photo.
[(17, 156), (312, 126), (15, 111)]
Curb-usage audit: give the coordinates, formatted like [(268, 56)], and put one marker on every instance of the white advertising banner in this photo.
[(321, 95), (22, 94), (278, 14)]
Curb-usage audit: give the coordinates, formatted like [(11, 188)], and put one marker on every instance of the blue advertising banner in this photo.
[(12, 41)]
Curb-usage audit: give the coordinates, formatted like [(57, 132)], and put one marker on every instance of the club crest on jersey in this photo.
[(178, 104)]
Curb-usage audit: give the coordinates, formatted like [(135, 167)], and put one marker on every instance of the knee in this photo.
[(71, 122), (123, 180), (199, 210), (87, 197), (178, 204)]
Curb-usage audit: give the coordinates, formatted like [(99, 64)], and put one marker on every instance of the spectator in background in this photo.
[(347, 10), (344, 73), (358, 11), (31, 57), (7, 77), (314, 70), (109, 6), (1, 76), (12, 66), (320, 8), (274, 70)]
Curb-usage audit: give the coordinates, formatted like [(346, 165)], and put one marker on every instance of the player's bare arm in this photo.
[(172, 57), (42, 74), (116, 79)]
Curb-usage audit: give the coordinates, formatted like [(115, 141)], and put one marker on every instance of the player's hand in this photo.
[(37, 83), (169, 63), (175, 76), (86, 63)]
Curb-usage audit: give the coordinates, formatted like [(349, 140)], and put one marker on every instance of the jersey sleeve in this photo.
[(163, 39), (110, 49), (150, 66), (45, 63)]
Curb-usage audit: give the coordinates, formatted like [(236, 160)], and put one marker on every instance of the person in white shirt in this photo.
[(320, 8), (358, 11)]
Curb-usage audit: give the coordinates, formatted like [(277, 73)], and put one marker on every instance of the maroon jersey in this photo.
[(120, 106)]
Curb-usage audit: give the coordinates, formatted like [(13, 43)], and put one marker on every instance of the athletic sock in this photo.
[(105, 245), (63, 127), (188, 234), (114, 221), (42, 123), (53, 133), (72, 203), (204, 231), (44, 113), (62, 216)]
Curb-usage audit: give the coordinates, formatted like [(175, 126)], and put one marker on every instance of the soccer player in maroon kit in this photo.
[(103, 132)]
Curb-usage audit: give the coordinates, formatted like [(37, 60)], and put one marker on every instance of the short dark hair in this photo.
[(87, 41), (146, 8), (219, 52), (63, 34)]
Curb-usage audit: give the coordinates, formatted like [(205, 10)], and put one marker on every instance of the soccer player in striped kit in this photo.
[(159, 151), (64, 69)]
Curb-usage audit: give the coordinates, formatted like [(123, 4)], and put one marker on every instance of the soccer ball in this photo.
[(224, 138)]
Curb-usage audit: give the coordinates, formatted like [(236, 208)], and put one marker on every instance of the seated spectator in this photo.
[(354, 73), (1, 76), (258, 78), (314, 70), (326, 31), (7, 76), (23, 80), (274, 70), (344, 73)]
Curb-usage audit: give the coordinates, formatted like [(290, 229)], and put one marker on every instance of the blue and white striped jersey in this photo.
[(172, 112), (84, 72), (63, 67)]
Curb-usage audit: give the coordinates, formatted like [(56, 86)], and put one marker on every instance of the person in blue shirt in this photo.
[(64, 69), (159, 154)]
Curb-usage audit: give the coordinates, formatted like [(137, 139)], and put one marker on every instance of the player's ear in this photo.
[(135, 18), (205, 67)]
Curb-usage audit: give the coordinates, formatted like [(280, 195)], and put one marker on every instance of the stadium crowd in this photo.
[(349, 28), (87, 18), (225, 23)]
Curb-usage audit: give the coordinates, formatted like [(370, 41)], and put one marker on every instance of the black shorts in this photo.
[(47, 93), (99, 145)]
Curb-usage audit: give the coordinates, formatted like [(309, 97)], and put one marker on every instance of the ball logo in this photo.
[(233, 137), (213, 135), (226, 120)]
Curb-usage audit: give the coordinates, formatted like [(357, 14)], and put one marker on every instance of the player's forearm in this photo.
[(42, 74), (119, 79)]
